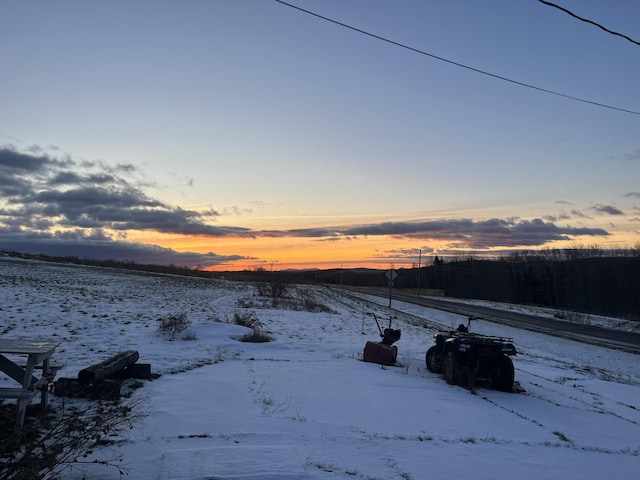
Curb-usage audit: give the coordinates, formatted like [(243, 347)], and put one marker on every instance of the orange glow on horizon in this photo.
[(295, 253), (378, 252)]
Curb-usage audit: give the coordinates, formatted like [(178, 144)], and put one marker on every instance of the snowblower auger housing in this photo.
[(383, 352)]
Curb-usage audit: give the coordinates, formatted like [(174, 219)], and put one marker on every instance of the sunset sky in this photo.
[(235, 134)]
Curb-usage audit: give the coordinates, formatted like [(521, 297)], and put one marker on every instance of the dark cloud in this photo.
[(90, 195), (13, 163), (84, 208), (579, 214), (462, 232), (99, 246), (608, 209), (632, 194), (56, 205), (559, 216)]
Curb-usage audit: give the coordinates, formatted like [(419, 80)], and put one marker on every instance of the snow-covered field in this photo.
[(305, 406)]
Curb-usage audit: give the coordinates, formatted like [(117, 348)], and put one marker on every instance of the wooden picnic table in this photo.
[(33, 376)]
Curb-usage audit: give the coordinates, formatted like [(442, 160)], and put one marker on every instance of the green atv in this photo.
[(465, 358)]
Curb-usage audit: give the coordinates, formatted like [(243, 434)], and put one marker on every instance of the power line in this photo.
[(442, 59), (588, 21)]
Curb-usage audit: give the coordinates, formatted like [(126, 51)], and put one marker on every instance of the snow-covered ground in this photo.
[(305, 406)]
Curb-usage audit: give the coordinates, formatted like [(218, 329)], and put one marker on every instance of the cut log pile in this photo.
[(103, 380)]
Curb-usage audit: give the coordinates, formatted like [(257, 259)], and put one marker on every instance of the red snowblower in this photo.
[(383, 352)]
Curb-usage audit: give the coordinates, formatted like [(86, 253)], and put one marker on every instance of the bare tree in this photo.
[(51, 444)]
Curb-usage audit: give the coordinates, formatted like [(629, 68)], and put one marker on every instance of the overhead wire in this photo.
[(457, 64), (569, 12)]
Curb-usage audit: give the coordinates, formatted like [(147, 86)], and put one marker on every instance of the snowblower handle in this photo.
[(377, 323)]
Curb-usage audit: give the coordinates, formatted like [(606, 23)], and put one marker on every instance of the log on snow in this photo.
[(108, 367)]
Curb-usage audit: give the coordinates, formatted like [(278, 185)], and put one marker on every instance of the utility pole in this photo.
[(391, 275), (419, 262)]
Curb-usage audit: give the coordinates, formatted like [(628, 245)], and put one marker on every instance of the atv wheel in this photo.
[(433, 359), (450, 368), (502, 374)]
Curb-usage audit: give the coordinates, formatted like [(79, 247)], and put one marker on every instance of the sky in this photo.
[(233, 134)]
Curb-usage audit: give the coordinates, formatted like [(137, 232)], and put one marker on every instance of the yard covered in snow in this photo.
[(304, 406)]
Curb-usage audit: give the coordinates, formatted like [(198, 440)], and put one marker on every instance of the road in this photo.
[(626, 341)]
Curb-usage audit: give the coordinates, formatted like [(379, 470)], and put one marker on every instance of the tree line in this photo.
[(587, 280)]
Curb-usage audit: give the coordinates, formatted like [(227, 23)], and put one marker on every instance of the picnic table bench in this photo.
[(38, 354)]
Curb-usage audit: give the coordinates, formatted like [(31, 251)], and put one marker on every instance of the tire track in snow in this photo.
[(564, 441), (598, 404)]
